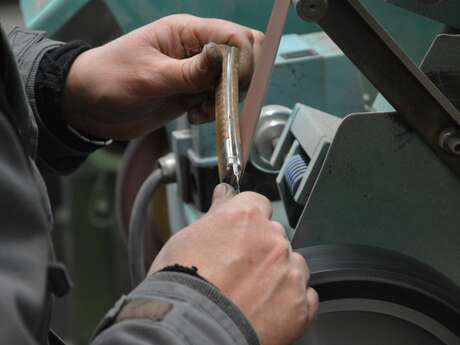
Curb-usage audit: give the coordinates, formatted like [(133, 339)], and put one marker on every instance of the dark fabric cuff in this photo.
[(49, 88), (58, 151), (193, 271)]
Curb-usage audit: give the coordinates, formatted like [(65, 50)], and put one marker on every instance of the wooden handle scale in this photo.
[(228, 137)]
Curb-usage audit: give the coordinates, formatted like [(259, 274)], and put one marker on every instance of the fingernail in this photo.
[(223, 190), (220, 191), (212, 51)]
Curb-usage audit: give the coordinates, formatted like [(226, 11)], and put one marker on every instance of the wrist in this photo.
[(50, 87), (76, 104)]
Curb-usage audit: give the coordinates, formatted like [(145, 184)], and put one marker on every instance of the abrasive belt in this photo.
[(262, 75)]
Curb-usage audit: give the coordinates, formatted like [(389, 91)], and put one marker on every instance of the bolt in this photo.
[(449, 140), (311, 10)]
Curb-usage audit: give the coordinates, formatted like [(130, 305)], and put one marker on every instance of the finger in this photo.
[(225, 32), (259, 38), (251, 199), (222, 193), (300, 264), (279, 228), (313, 304), (204, 112), (196, 74)]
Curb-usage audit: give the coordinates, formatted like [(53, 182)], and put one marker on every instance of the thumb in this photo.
[(222, 193), (200, 72)]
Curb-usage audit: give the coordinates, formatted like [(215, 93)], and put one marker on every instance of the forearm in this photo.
[(175, 308)]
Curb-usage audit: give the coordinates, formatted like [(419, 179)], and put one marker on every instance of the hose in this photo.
[(162, 175)]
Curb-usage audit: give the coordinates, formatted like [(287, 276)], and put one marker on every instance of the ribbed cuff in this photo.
[(50, 83)]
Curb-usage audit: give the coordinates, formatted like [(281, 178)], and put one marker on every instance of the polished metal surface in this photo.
[(273, 119), (228, 139)]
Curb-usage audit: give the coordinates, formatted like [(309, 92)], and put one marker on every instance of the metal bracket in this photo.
[(372, 50), (445, 11)]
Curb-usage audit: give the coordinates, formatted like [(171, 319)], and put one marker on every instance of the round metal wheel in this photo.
[(374, 296)]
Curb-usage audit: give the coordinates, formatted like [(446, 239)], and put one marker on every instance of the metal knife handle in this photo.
[(227, 118)]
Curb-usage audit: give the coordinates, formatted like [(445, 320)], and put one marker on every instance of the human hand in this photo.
[(240, 250), (137, 83)]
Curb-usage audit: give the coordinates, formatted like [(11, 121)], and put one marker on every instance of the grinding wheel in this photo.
[(374, 296)]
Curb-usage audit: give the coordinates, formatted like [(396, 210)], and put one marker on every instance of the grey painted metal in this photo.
[(176, 215), (445, 11), (308, 132), (312, 70), (442, 65), (378, 57), (381, 186)]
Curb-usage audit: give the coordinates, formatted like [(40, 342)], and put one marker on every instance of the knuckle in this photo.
[(243, 215), (252, 210), (257, 198), (258, 35), (300, 260), (181, 16), (248, 33), (231, 215), (281, 248), (314, 297), (295, 276), (278, 228), (232, 36)]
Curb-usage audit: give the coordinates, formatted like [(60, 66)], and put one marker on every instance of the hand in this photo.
[(236, 247), (137, 83)]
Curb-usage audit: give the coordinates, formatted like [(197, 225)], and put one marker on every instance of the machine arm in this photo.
[(379, 58)]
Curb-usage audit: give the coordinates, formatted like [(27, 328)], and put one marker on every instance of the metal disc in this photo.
[(375, 296)]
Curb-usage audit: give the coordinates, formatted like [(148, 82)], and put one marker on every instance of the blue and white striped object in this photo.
[(296, 167)]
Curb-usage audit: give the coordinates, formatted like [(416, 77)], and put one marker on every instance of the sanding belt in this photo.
[(262, 75)]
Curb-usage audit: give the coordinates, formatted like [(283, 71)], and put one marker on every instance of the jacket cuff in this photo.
[(29, 47), (54, 154), (196, 293)]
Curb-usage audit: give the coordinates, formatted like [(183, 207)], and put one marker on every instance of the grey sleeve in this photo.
[(171, 308), (53, 155), (23, 244)]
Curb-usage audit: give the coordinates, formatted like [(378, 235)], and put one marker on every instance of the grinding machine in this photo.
[(357, 148)]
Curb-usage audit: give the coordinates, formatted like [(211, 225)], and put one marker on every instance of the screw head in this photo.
[(311, 10), (449, 140)]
